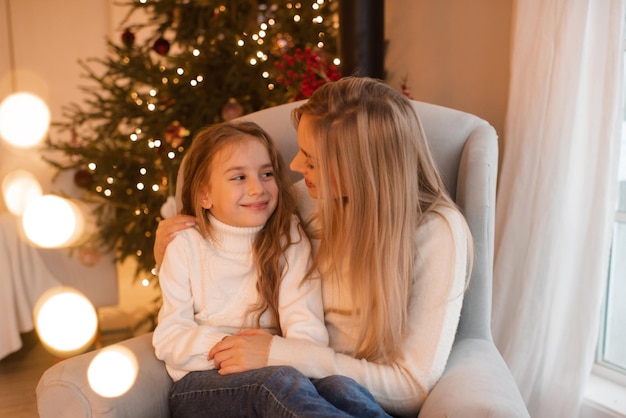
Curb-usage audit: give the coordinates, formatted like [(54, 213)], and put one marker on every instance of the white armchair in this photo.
[(476, 382)]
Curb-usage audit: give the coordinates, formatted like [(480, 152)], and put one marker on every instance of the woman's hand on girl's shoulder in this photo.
[(166, 231)]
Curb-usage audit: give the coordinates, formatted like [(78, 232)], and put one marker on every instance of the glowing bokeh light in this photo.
[(19, 188), (24, 120), (113, 371), (51, 221), (65, 321)]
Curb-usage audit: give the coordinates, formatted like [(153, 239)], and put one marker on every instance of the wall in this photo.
[(453, 53), (49, 38)]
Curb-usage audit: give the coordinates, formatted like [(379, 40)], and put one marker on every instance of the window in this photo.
[(612, 346), (612, 342)]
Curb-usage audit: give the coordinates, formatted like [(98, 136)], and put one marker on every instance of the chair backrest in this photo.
[(465, 149)]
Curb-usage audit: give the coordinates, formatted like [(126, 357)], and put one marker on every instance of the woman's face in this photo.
[(305, 162)]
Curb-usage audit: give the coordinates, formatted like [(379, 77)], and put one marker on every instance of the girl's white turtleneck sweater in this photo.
[(208, 285)]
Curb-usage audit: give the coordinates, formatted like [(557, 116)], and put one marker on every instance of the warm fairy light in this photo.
[(133, 137), (195, 52), (265, 74), (318, 19), (91, 166), (143, 171), (171, 155), (51, 221), (107, 192), (180, 71), (337, 61), (113, 371), (240, 42), (155, 187), (65, 321), (24, 120), (145, 282), (193, 83), (153, 92), (19, 188), (140, 186), (151, 107), (296, 18), (253, 61)]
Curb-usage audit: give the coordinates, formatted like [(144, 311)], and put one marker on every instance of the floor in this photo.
[(19, 374)]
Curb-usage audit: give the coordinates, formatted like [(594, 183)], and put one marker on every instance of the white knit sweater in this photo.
[(435, 307), (208, 285)]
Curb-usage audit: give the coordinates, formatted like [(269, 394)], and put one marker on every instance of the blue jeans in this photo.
[(270, 392)]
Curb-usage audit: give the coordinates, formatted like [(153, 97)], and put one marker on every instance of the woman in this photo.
[(392, 249)]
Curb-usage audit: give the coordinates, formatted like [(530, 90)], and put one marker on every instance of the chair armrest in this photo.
[(476, 383), (63, 390)]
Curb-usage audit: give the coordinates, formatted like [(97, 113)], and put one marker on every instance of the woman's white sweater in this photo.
[(435, 307)]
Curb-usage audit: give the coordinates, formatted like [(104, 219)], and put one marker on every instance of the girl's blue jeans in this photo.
[(270, 392)]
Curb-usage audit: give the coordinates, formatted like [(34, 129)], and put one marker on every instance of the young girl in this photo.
[(243, 266)]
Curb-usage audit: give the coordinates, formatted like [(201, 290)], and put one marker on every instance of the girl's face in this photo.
[(242, 190), (305, 161)]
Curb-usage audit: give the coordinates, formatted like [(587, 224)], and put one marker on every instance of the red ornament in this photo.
[(83, 178), (128, 38), (161, 46)]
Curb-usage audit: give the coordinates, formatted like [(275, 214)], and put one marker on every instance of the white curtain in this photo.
[(556, 195)]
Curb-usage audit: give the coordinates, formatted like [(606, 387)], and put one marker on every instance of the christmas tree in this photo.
[(189, 63)]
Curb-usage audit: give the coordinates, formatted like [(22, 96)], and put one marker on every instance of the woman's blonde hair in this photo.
[(372, 152), (273, 239)]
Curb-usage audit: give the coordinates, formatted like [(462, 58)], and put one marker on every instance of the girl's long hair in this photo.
[(378, 181), (274, 238)]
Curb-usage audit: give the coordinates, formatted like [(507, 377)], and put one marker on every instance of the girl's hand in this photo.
[(166, 230), (248, 350)]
